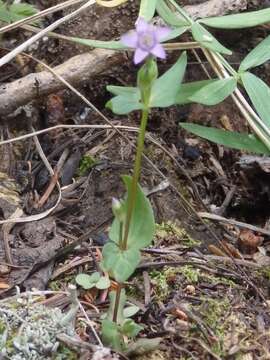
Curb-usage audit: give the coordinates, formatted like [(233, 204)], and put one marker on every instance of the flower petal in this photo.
[(141, 25), (140, 55), (130, 39), (158, 51), (162, 32)]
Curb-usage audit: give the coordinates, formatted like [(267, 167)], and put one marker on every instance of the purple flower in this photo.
[(146, 40)]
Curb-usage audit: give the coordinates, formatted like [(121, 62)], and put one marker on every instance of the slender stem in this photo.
[(117, 301), (136, 176)]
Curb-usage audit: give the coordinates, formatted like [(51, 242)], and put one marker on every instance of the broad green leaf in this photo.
[(103, 283), (143, 346), (175, 33), (15, 12), (169, 16), (147, 9), (122, 90), (130, 328), (120, 313), (207, 40), (257, 56), (239, 21), (130, 311), (188, 89), (230, 139), (124, 104), (112, 45), (111, 335), (215, 92), (165, 88), (87, 281), (259, 94), (142, 225), (120, 264)]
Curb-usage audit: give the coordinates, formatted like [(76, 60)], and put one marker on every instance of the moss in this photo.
[(86, 164), (192, 275), (169, 229), (161, 286)]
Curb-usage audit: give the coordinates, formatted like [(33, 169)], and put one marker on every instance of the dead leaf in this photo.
[(248, 242)]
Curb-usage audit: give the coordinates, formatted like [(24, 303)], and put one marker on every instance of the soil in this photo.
[(204, 308)]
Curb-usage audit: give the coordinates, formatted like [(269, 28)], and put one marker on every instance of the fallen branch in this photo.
[(76, 70)]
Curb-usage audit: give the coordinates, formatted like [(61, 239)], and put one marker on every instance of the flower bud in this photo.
[(118, 209)]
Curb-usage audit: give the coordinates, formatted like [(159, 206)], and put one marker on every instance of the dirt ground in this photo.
[(203, 287)]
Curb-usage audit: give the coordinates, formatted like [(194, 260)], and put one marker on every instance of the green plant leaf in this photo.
[(111, 335), (130, 311), (175, 33), (120, 264), (207, 40), (15, 12), (122, 301), (112, 45), (259, 55), (130, 328), (215, 92), (259, 94), (103, 283), (188, 89), (143, 346), (142, 225), (165, 88), (147, 9), (124, 104), (122, 90), (239, 21), (169, 16), (230, 139), (87, 281)]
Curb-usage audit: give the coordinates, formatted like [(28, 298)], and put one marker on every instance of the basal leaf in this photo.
[(169, 16), (188, 89), (142, 225), (215, 92), (166, 87), (130, 328), (230, 139), (257, 56), (207, 40), (120, 264), (147, 9), (112, 45), (103, 283), (124, 104), (131, 311), (259, 94), (87, 281), (111, 335), (15, 12), (239, 21)]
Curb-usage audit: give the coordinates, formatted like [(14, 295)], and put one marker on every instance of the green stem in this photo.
[(136, 176)]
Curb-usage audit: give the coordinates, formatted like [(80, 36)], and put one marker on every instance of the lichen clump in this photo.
[(30, 332)]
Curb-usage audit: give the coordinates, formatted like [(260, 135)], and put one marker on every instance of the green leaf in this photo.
[(142, 225), (112, 45), (15, 12), (130, 328), (120, 264), (111, 335), (165, 89), (230, 139), (147, 9), (239, 21), (188, 89), (143, 346), (215, 92), (87, 281), (257, 56), (122, 301), (169, 16), (124, 104), (259, 94), (122, 90), (175, 33), (207, 40), (103, 283), (130, 311)]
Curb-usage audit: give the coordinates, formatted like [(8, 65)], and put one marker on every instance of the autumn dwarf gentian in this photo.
[(146, 40)]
